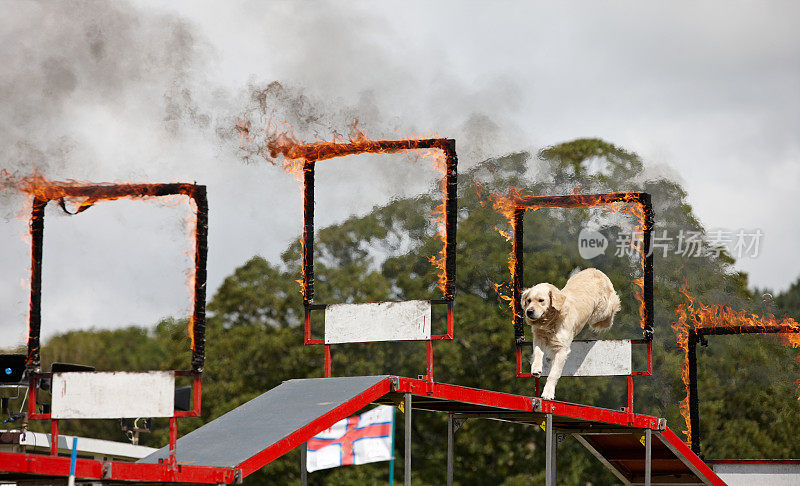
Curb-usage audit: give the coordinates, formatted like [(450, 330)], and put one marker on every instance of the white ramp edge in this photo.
[(109, 395), (596, 358), (379, 321)]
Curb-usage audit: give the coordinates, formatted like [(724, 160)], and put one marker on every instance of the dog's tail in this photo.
[(613, 306)]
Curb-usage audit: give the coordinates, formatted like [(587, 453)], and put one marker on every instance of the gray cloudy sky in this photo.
[(708, 92)]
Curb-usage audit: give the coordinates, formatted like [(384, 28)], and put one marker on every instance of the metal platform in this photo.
[(244, 440)]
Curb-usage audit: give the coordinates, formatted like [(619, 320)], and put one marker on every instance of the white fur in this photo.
[(587, 298)]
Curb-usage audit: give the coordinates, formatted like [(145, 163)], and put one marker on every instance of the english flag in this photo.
[(359, 439)]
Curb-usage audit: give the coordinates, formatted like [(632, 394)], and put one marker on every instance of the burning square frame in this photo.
[(95, 193), (450, 215), (522, 204)]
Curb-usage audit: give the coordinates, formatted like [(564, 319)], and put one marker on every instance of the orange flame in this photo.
[(299, 156), (693, 315)]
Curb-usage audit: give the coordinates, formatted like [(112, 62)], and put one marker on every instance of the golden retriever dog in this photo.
[(557, 316)]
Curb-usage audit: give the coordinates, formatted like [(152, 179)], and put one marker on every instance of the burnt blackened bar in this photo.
[(316, 151), (519, 329), (647, 284), (33, 363), (308, 233), (725, 330), (451, 223), (694, 401), (200, 277), (578, 200)]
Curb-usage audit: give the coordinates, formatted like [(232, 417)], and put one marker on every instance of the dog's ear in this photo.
[(557, 299), (523, 296)]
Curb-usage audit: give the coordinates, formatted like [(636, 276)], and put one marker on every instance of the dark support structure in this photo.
[(648, 457), (407, 455), (304, 464), (550, 451), (450, 448)]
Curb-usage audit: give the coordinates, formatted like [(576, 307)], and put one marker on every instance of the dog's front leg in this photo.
[(537, 358), (559, 358)]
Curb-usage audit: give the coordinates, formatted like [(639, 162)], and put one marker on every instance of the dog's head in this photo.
[(541, 304)]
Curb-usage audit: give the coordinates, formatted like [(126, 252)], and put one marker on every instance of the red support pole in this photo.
[(307, 326), (537, 388), (429, 362), (173, 439), (450, 321), (630, 394), (327, 361), (32, 398), (198, 393), (53, 437)]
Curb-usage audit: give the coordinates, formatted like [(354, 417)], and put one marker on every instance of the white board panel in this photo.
[(595, 358), (380, 321), (748, 474), (116, 394)]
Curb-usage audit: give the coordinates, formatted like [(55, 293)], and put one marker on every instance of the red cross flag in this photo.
[(359, 439)]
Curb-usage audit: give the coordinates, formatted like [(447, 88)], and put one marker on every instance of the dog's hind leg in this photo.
[(537, 358), (603, 325), (559, 358)]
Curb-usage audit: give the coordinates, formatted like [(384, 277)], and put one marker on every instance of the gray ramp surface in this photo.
[(247, 430)]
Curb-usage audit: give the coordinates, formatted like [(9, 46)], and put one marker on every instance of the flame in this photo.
[(507, 205), (84, 195), (298, 156), (693, 315)]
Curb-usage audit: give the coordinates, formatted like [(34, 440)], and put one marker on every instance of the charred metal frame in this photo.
[(521, 205), (698, 335), (95, 193), (448, 146)]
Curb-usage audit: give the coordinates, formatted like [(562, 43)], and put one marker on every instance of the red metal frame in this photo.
[(312, 153), (450, 319), (39, 464), (673, 442), (450, 397)]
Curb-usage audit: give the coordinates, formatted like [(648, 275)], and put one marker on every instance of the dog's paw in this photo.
[(548, 394), (536, 374)]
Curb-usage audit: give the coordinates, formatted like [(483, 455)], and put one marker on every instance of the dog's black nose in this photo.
[(529, 313)]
